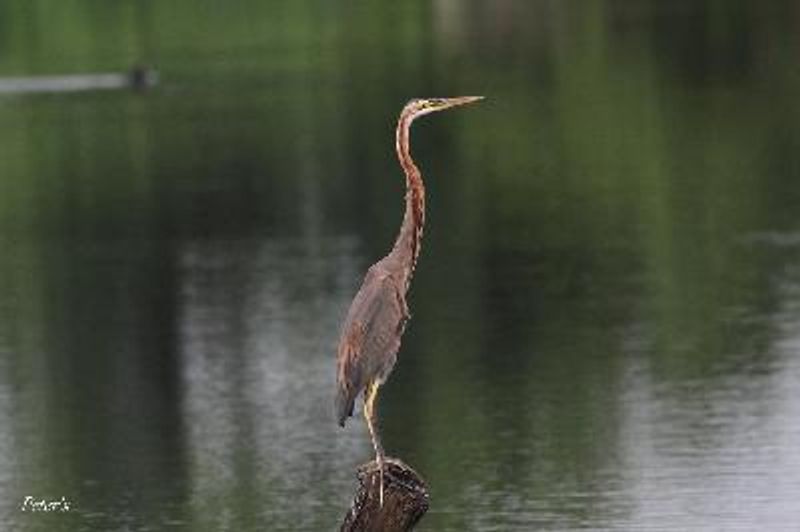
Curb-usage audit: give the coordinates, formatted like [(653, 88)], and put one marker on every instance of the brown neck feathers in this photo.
[(407, 246)]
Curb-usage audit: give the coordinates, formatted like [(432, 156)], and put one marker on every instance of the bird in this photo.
[(375, 322)]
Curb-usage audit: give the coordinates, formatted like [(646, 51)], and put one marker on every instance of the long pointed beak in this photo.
[(462, 100)]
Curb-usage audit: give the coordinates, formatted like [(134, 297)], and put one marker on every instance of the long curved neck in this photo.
[(406, 247)]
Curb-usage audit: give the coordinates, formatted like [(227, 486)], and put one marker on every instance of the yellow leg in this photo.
[(369, 414)]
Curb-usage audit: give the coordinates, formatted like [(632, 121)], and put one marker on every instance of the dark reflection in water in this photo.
[(606, 315), (257, 323)]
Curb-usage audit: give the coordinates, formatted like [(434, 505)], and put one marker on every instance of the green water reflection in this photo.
[(605, 327)]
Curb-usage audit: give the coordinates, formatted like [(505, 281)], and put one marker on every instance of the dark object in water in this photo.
[(143, 78), (405, 499)]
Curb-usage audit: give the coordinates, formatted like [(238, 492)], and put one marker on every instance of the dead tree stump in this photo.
[(405, 499)]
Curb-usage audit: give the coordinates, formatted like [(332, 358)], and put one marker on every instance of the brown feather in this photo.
[(370, 336)]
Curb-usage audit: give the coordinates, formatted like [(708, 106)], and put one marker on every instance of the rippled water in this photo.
[(606, 312), (590, 434)]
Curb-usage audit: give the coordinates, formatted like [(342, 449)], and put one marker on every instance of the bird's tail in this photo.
[(345, 403)]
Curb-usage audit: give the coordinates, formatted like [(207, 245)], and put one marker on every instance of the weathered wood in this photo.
[(405, 499)]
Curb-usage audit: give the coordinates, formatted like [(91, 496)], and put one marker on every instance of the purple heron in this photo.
[(371, 332)]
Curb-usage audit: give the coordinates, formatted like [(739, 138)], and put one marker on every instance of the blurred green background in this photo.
[(606, 314)]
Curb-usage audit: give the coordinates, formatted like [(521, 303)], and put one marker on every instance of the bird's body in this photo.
[(376, 320), (371, 335)]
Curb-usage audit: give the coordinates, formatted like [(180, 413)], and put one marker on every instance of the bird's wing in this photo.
[(370, 336)]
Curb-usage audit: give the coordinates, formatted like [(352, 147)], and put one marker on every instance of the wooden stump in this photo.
[(405, 499)]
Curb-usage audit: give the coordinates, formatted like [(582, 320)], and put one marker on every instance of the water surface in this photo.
[(606, 312)]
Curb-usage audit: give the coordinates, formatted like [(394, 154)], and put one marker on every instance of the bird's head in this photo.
[(423, 106)]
